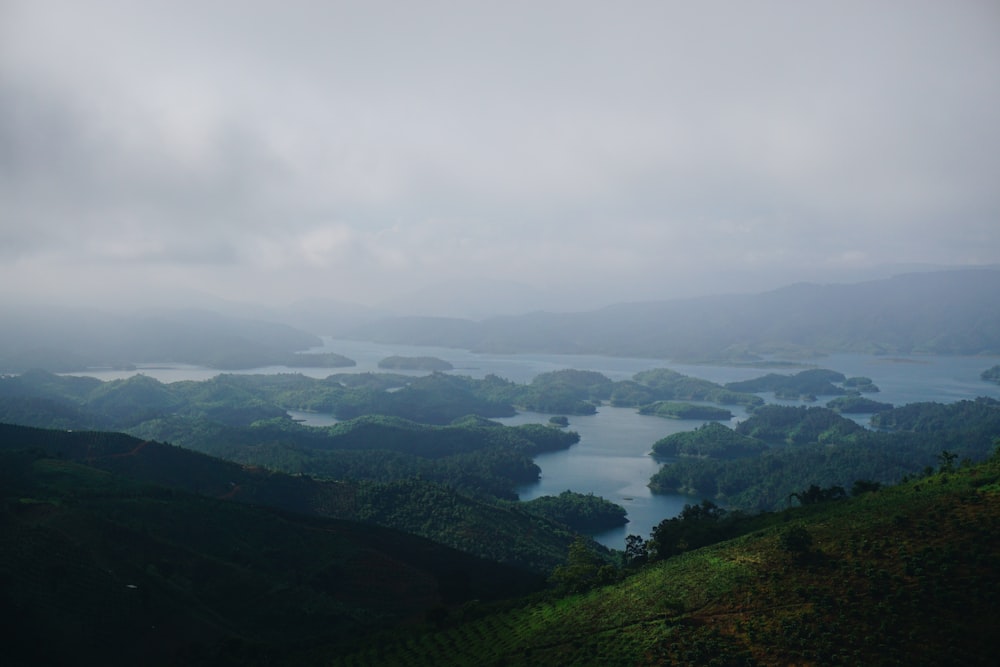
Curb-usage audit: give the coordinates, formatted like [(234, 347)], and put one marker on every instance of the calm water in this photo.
[(612, 458)]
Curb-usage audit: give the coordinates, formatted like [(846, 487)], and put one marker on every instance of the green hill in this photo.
[(502, 532), (99, 569), (902, 576)]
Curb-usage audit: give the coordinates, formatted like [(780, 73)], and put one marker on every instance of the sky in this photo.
[(573, 152)]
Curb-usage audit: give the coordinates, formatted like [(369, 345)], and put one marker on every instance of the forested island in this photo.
[(857, 405), (579, 511), (794, 444), (398, 363), (677, 410)]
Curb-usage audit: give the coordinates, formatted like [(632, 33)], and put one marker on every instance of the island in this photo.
[(584, 512), (318, 360), (676, 410), (862, 384), (399, 363), (857, 405), (713, 440)]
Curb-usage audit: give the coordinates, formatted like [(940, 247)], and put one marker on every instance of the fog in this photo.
[(435, 156)]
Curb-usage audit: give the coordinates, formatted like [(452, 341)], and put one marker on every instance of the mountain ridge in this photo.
[(946, 312)]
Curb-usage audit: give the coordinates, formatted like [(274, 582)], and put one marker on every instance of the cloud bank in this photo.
[(362, 150)]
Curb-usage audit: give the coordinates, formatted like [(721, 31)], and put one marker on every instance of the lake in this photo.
[(612, 458)]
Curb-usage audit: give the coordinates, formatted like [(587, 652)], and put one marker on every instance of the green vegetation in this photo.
[(101, 569), (663, 384), (862, 384), (399, 363), (857, 405), (139, 534), (675, 410), (582, 512), (485, 527), (779, 424), (817, 446), (474, 455), (713, 440), (904, 575), (804, 384), (559, 420), (564, 392)]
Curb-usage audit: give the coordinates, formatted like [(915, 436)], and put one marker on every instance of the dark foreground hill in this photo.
[(908, 575), (947, 312), (99, 569), (502, 533)]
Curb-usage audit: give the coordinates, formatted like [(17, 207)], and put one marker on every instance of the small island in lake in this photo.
[(675, 410), (318, 360), (713, 440), (857, 405), (862, 384), (415, 364)]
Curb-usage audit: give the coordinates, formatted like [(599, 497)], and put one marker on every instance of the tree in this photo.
[(815, 494), (862, 486), (636, 551), (582, 571), (695, 527), (947, 460)]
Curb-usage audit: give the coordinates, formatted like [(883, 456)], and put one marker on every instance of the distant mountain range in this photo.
[(74, 339), (946, 312), (942, 312)]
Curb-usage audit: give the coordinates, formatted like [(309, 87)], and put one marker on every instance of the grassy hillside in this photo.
[(906, 575), (99, 569)]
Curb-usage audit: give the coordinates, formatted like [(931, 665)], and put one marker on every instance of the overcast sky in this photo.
[(363, 150)]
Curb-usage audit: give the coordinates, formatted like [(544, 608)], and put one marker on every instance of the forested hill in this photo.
[(948, 312)]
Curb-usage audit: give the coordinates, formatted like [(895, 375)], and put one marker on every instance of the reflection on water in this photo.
[(612, 460)]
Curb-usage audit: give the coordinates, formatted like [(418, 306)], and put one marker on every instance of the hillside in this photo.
[(98, 569), (501, 532), (901, 576), (947, 312)]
